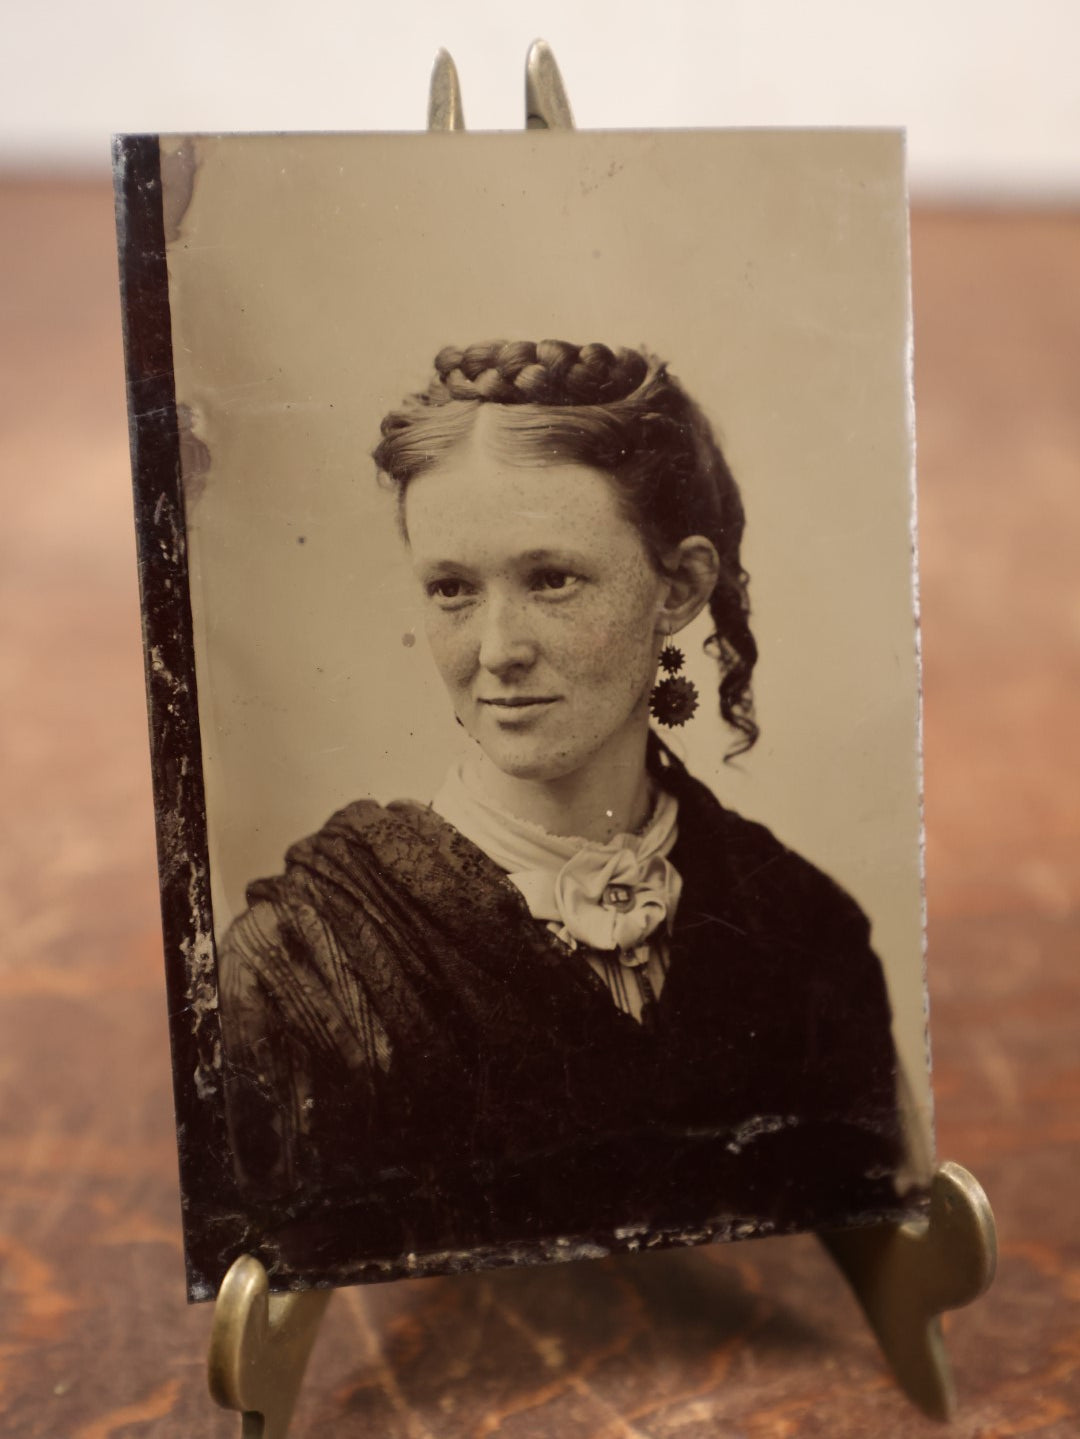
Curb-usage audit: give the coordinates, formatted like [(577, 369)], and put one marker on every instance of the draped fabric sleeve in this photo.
[(851, 1044), (850, 1142), (837, 1020), (303, 1051), (774, 963)]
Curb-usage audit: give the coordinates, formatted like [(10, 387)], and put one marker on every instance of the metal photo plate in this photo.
[(526, 538)]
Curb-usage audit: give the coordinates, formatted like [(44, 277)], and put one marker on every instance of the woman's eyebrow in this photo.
[(542, 555), (550, 556), (426, 568)]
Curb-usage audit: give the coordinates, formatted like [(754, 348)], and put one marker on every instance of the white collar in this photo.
[(610, 896)]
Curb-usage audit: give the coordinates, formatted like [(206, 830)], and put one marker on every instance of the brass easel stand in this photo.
[(259, 1348), (904, 1275)]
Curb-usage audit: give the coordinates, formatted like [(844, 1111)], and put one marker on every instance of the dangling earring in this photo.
[(674, 700)]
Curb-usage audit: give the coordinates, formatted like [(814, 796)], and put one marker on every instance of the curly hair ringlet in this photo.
[(617, 411)]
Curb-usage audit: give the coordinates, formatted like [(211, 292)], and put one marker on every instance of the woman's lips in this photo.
[(516, 711), (520, 701)]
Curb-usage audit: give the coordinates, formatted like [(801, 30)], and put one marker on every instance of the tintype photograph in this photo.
[(526, 545)]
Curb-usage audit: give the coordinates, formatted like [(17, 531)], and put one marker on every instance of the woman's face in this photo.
[(542, 608)]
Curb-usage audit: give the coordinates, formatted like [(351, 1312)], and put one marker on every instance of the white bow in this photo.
[(614, 899), (611, 896)]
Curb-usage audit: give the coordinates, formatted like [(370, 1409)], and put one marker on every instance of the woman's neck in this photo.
[(608, 796)]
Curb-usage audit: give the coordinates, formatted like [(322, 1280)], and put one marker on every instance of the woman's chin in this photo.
[(535, 769), (523, 761)]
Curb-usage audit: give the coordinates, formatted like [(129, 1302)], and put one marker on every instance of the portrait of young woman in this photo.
[(570, 994), (547, 565)]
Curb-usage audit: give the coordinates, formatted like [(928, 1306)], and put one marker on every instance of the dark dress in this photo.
[(421, 1078)]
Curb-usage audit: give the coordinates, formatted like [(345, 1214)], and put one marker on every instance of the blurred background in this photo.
[(988, 89), (758, 1340)]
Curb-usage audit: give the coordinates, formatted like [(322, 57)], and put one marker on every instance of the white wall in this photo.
[(989, 89)]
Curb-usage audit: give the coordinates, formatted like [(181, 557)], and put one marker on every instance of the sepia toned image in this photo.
[(526, 529)]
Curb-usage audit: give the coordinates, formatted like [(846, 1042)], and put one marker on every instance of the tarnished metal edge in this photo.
[(172, 700)]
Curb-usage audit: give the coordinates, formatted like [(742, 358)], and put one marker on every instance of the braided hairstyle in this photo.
[(619, 412)]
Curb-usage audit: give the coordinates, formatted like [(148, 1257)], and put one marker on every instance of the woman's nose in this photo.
[(506, 641)]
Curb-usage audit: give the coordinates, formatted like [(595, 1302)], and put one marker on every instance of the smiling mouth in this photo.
[(518, 702)]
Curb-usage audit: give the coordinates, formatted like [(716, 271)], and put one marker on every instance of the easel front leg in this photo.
[(259, 1348), (906, 1275)]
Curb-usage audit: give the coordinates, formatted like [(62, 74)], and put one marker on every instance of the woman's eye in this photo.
[(557, 580), (449, 590)]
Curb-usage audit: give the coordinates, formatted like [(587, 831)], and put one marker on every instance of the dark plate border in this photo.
[(172, 702)]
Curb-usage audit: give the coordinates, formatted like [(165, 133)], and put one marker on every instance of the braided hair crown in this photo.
[(618, 411), (552, 372)]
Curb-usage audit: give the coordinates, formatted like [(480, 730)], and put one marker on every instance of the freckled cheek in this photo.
[(452, 650), (616, 646), (588, 654)]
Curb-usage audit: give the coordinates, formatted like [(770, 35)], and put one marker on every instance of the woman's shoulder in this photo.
[(359, 835), (354, 838), (403, 846), (369, 870), (368, 824), (750, 865)]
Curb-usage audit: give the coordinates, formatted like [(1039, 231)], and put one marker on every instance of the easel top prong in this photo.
[(546, 103), (445, 110)]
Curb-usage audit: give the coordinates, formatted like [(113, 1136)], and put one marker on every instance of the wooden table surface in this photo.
[(758, 1340)]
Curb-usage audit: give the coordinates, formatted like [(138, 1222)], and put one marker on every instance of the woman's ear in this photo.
[(689, 572)]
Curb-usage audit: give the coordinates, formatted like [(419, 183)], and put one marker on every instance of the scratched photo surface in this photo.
[(526, 540)]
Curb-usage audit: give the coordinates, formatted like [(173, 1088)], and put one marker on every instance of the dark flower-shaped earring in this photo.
[(674, 700)]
